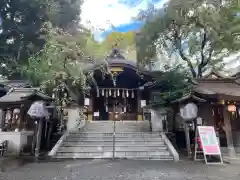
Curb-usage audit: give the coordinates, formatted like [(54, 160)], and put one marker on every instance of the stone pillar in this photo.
[(157, 117)]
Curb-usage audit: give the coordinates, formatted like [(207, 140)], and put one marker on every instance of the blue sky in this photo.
[(105, 16)]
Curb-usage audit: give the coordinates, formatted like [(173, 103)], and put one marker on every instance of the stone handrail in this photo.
[(58, 144), (79, 126), (170, 147)]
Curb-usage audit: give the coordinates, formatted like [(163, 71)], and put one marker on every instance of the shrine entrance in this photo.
[(115, 104), (119, 94)]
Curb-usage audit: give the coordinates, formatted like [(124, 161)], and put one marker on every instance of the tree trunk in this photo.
[(228, 130)]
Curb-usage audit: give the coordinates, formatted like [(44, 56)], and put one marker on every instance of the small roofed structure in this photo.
[(219, 88), (17, 101), (189, 97), (218, 100), (213, 74), (20, 95), (15, 124)]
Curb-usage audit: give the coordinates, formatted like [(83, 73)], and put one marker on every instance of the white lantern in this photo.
[(189, 111), (38, 110)]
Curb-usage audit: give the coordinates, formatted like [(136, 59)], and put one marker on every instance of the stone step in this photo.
[(110, 143), (110, 139), (125, 155), (94, 134), (99, 142), (139, 138), (108, 149), (84, 145)]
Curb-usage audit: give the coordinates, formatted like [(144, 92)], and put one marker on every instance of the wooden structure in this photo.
[(15, 124), (218, 99), (119, 94), (15, 105)]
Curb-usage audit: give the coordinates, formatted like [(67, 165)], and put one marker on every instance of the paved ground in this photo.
[(116, 170)]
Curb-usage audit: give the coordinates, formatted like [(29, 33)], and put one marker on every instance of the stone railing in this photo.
[(170, 147)]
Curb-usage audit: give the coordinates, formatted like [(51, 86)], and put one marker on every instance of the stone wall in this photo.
[(17, 141), (157, 118)]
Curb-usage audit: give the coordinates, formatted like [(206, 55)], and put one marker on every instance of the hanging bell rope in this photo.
[(97, 92)]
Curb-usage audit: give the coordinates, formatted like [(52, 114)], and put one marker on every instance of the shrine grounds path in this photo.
[(116, 170)]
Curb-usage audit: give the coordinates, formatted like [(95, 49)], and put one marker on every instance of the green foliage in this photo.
[(59, 66), (170, 85), (122, 41), (201, 33), (22, 33)]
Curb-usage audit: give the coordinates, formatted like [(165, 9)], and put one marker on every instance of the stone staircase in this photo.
[(132, 141)]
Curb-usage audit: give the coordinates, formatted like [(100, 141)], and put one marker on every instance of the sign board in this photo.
[(143, 103), (209, 142), (96, 114), (86, 101)]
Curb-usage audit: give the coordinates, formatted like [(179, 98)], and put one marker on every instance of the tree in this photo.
[(60, 65), (65, 14), (199, 32), (171, 84), (21, 29), (124, 41)]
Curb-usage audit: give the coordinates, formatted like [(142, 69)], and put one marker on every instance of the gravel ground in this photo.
[(116, 170)]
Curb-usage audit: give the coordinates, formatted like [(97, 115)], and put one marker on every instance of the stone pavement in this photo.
[(117, 170)]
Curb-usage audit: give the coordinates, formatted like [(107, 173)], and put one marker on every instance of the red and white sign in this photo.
[(209, 140)]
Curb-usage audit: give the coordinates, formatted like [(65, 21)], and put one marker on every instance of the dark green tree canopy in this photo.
[(24, 26), (200, 33)]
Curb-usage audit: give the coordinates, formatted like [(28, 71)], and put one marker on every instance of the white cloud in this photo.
[(100, 15)]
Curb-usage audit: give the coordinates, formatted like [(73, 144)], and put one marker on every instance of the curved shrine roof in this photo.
[(114, 59)]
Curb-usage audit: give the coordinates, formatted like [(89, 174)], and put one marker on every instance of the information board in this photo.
[(209, 141)]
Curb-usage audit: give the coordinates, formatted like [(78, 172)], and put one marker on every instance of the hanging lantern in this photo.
[(110, 92), (189, 111), (102, 92), (231, 108), (118, 93), (132, 94), (114, 93)]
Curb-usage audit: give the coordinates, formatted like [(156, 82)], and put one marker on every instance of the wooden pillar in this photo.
[(49, 135), (90, 107), (39, 137), (139, 113), (228, 130), (2, 115)]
